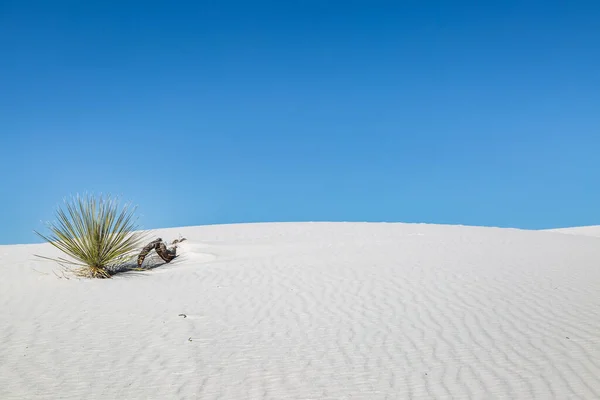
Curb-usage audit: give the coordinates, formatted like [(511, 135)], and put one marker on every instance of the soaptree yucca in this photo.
[(97, 234)]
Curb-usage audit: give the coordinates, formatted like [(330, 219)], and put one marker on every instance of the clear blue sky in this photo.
[(478, 113)]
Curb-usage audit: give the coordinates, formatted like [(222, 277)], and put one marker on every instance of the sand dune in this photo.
[(593, 230), (313, 311)]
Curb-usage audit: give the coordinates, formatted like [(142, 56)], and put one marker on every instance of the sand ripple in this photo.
[(314, 311)]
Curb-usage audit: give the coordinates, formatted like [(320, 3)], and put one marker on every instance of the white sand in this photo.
[(593, 230), (313, 311)]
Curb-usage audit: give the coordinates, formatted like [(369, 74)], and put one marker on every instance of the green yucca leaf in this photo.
[(96, 233)]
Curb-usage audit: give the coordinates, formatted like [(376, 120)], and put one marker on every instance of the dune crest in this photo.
[(592, 230)]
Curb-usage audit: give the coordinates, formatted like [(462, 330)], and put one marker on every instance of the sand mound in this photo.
[(313, 311), (593, 230)]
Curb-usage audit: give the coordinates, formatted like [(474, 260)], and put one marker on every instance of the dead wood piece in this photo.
[(147, 249), (161, 249), (166, 254)]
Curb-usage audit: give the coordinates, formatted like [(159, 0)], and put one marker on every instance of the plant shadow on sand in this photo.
[(131, 269), (124, 270)]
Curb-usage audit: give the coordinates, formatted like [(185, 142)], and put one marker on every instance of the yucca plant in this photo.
[(96, 232)]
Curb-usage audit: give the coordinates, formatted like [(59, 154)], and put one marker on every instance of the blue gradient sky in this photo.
[(477, 113)]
